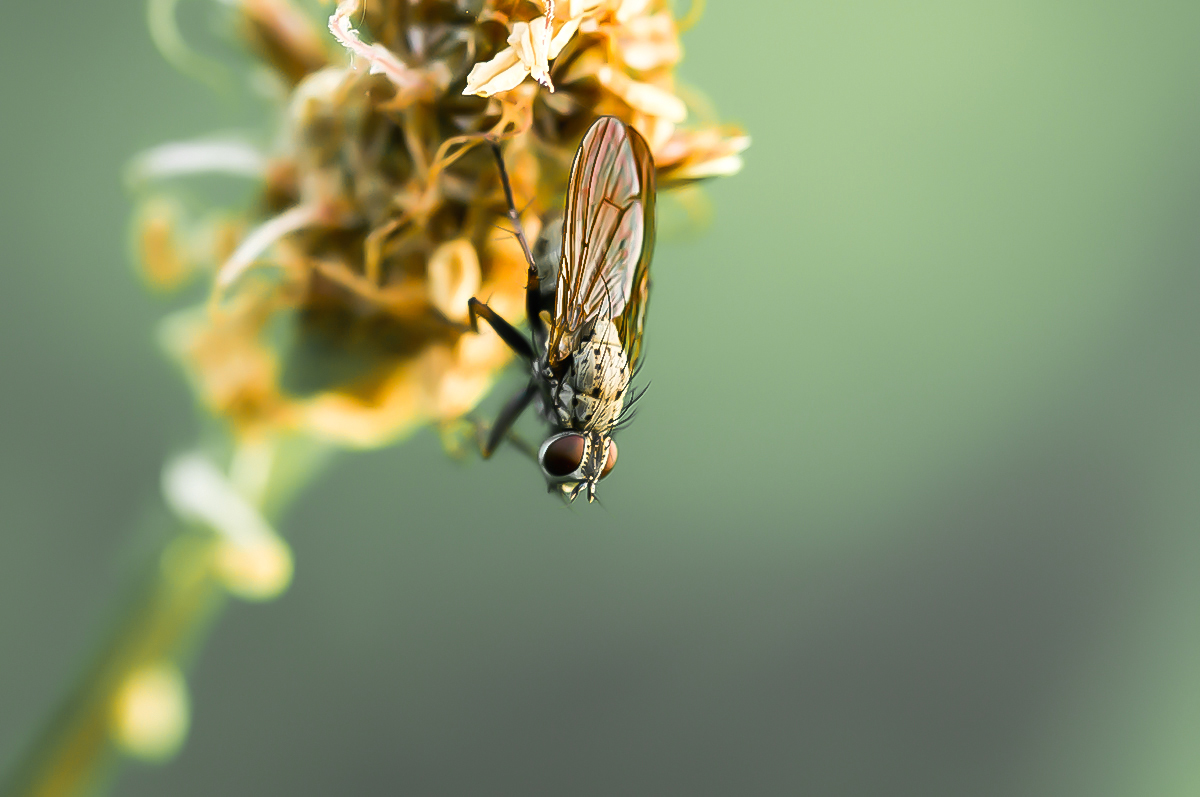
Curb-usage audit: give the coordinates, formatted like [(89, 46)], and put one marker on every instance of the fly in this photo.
[(586, 316)]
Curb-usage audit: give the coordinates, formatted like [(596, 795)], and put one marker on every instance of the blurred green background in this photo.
[(910, 509)]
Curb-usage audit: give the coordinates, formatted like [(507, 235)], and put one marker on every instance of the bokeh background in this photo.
[(910, 509)]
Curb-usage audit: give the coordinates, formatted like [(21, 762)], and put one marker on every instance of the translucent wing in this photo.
[(632, 319), (608, 237)]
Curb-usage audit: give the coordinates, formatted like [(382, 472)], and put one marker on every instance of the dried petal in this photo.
[(408, 82), (647, 43), (162, 259), (532, 45), (563, 35), (644, 97), (259, 241), (201, 156), (285, 37), (454, 277), (691, 155), (628, 10), (504, 72)]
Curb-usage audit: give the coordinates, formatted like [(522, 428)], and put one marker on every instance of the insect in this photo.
[(587, 312)]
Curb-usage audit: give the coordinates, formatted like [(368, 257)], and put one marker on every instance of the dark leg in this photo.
[(508, 416), (532, 282), (512, 207), (507, 332)]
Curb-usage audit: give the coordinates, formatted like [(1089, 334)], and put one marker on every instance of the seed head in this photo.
[(337, 304)]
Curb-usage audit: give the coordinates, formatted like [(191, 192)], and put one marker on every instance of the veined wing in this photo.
[(631, 322), (608, 238)]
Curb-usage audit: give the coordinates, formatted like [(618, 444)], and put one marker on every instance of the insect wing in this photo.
[(632, 320), (608, 236)]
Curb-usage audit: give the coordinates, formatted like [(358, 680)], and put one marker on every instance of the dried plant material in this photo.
[(531, 46), (196, 489), (453, 277), (262, 238), (251, 560), (256, 572), (234, 373), (164, 32), (163, 261), (203, 156), (649, 42), (380, 211), (408, 82), (695, 155), (285, 37), (645, 98)]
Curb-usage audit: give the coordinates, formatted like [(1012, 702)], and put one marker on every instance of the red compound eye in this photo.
[(611, 459), (563, 455)]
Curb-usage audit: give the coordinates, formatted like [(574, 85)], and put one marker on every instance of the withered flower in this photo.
[(337, 304)]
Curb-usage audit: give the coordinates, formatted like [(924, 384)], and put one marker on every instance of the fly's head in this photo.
[(575, 461)]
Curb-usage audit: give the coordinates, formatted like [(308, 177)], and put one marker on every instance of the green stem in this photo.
[(163, 619), (176, 598)]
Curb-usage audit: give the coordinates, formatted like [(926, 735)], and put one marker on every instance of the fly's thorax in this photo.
[(592, 392), (547, 255)]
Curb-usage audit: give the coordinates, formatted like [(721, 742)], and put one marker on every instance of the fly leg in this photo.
[(507, 332), (513, 215), (523, 346), (503, 425), (533, 292)]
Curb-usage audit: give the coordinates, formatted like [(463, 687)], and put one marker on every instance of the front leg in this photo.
[(508, 416), (507, 332), (533, 298)]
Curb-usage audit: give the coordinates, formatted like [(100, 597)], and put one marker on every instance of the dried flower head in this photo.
[(337, 304)]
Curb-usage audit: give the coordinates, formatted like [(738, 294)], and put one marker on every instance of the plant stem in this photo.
[(174, 601), (163, 618)]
